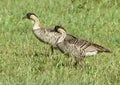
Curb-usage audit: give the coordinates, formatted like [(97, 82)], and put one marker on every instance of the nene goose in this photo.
[(43, 34), (78, 48)]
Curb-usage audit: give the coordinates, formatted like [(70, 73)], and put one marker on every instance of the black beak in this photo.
[(25, 17)]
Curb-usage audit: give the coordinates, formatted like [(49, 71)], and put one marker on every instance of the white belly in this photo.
[(90, 53)]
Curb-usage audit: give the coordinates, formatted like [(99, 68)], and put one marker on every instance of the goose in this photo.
[(79, 48), (45, 35)]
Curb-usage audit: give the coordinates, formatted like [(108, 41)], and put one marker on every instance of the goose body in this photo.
[(78, 48), (46, 36)]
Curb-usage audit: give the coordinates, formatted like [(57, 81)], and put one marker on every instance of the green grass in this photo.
[(26, 61)]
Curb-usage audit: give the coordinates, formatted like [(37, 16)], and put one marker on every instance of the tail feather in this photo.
[(101, 48), (107, 50)]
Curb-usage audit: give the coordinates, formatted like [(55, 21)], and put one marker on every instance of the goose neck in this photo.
[(61, 39), (36, 23)]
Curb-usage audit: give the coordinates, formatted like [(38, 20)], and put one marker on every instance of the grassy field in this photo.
[(26, 61)]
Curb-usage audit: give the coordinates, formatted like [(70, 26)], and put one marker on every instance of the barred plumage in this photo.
[(78, 48)]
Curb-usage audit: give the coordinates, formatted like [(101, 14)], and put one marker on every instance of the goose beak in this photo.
[(24, 17)]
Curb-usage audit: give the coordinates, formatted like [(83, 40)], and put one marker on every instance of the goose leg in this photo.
[(79, 60), (52, 50)]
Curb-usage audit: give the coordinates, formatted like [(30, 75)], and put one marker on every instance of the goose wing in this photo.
[(87, 46)]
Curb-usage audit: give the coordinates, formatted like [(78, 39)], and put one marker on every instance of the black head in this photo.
[(28, 15), (58, 27)]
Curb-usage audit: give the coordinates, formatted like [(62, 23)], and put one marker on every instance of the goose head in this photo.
[(59, 29), (31, 16)]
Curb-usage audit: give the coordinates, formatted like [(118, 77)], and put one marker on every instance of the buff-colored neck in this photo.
[(63, 35), (36, 22)]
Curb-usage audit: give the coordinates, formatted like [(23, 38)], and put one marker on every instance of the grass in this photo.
[(26, 61)]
